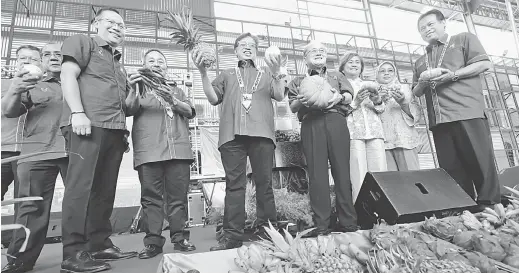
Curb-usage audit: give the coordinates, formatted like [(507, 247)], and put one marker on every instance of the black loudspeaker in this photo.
[(409, 196), (509, 177)]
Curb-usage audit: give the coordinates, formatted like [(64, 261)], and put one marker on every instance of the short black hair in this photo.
[(439, 15), (347, 57), (245, 35), (153, 50), (101, 10), (30, 47)]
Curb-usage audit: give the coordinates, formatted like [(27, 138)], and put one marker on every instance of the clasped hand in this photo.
[(446, 76)]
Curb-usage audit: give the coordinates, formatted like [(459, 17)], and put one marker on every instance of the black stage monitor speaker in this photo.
[(409, 196)]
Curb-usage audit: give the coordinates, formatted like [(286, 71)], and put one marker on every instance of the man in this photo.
[(93, 122), (325, 136), (246, 129), (12, 128), (455, 106), (162, 156), (43, 105)]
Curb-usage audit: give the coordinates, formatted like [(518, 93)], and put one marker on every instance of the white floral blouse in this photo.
[(364, 122), (399, 127)]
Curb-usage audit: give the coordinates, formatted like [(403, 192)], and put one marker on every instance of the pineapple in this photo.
[(187, 34), (445, 266)]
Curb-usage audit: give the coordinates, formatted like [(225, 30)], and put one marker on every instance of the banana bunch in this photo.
[(255, 259), (499, 215)]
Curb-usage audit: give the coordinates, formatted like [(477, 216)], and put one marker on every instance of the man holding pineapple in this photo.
[(98, 96), (325, 137), (245, 95), (38, 173)]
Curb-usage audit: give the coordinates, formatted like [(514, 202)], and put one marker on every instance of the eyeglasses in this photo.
[(28, 59), (389, 71), (317, 50), (112, 23), (251, 45), (49, 54)]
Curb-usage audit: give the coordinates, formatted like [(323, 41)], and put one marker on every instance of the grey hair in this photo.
[(310, 45)]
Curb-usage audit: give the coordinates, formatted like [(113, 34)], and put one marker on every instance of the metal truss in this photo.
[(483, 10)]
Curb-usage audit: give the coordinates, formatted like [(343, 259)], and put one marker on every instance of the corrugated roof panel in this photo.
[(5, 40)]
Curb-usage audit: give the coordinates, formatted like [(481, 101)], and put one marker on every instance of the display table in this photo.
[(206, 262)]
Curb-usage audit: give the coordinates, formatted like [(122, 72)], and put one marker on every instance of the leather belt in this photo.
[(323, 112)]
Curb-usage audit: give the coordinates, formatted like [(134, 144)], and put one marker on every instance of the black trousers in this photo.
[(234, 160), (37, 178), (9, 173), (464, 150), (164, 182), (94, 163), (326, 137)]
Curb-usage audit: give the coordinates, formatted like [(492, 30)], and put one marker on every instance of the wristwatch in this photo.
[(456, 77)]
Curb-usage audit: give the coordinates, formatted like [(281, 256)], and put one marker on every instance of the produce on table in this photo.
[(446, 266), (480, 261), (256, 259), (187, 35), (321, 254), (498, 242), (317, 91), (488, 245), (464, 239), (154, 83), (444, 229), (413, 251)]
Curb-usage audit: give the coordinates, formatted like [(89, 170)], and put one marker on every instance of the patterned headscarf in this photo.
[(395, 80)]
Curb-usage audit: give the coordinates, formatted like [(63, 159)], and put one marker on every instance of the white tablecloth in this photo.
[(206, 262)]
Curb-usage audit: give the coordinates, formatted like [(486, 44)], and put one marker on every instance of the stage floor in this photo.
[(51, 256)]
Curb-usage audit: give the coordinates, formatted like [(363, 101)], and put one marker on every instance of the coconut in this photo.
[(512, 261), (464, 239), (487, 245), (317, 91), (480, 261), (272, 53), (34, 70)]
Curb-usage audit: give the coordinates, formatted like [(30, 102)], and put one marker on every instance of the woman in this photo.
[(399, 120), (367, 150)]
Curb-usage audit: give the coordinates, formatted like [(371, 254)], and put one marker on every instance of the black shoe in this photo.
[(346, 229), (317, 232), (17, 267), (83, 263), (113, 254), (184, 246), (226, 243), (150, 251)]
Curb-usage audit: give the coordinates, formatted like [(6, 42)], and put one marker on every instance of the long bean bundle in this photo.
[(154, 83)]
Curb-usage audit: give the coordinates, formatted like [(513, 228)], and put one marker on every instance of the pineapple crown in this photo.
[(186, 34)]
